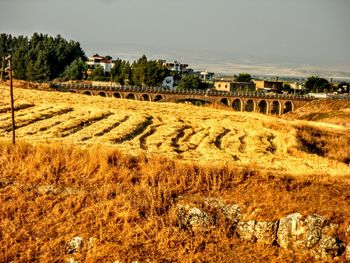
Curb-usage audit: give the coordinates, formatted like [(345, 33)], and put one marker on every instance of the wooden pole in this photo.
[(12, 103)]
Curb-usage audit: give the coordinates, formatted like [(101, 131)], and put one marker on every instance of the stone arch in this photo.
[(263, 107), (145, 97), (288, 106), (158, 98), (276, 107), (117, 95), (131, 96), (225, 101), (87, 92), (250, 106), (102, 94), (237, 105)]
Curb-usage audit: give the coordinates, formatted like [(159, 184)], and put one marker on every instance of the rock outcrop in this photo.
[(312, 233)]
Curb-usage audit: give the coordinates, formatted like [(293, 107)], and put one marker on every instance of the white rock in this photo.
[(74, 245)]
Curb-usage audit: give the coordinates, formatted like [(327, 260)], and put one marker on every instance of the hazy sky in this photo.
[(221, 35)]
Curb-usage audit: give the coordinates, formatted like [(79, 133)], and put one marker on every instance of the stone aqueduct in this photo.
[(250, 102)]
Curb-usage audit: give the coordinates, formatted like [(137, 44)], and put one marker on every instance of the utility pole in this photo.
[(2, 69), (8, 58)]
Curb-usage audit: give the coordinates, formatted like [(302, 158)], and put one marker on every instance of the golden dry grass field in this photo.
[(115, 171), (178, 131)]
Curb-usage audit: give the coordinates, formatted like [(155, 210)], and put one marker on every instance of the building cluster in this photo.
[(179, 70)]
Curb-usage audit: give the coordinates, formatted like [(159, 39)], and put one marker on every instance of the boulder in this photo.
[(266, 232), (246, 230), (232, 213), (198, 218), (75, 245), (192, 217), (296, 233), (329, 247), (262, 232)]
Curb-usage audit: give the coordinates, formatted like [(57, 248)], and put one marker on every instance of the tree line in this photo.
[(138, 73), (40, 58)]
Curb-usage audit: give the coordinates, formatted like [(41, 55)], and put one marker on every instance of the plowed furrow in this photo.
[(24, 112), (218, 139), (17, 107), (28, 120), (175, 141), (83, 124), (109, 126), (137, 130), (272, 148), (145, 136), (243, 144), (45, 126)]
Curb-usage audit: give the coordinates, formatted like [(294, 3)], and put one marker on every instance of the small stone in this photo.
[(347, 231), (47, 189), (72, 260), (74, 245), (5, 182), (347, 252)]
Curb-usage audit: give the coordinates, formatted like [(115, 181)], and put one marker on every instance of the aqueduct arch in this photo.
[(158, 98), (145, 97), (131, 96), (263, 107), (225, 101), (89, 93), (250, 106), (237, 105), (288, 106), (276, 107), (117, 95), (102, 94)]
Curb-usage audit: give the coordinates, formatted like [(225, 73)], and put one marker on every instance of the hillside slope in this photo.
[(178, 131), (328, 111)]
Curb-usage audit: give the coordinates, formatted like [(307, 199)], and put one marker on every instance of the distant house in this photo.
[(275, 86), (96, 61), (205, 75), (233, 86), (297, 86), (176, 66)]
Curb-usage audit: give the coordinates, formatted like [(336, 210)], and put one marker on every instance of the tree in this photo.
[(76, 70), (98, 74), (243, 77), (316, 84), (191, 82), (139, 71), (40, 58), (287, 88)]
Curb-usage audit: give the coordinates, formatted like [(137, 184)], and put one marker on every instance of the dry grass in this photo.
[(127, 205), (328, 111), (183, 132)]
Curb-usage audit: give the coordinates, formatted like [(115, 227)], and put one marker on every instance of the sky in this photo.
[(286, 37)]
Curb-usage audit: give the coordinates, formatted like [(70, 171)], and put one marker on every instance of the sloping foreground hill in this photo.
[(329, 111), (60, 203), (178, 131)]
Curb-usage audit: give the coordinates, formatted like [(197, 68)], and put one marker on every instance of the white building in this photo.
[(205, 75), (96, 61), (169, 82)]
